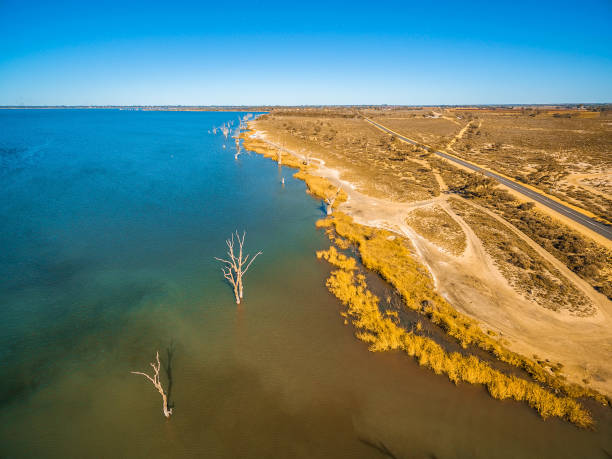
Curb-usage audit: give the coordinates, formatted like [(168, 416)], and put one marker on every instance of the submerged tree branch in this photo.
[(157, 383)]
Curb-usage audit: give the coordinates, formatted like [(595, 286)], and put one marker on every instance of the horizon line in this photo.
[(551, 104)]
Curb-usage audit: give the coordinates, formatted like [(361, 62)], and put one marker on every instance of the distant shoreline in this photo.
[(139, 108), (265, 108)]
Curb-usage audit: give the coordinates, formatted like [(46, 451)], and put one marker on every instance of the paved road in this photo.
[(594, 225)]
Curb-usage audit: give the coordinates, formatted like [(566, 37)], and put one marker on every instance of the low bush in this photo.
[(391, 257), (382, 333)]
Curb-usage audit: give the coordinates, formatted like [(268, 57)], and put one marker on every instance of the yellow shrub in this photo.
[(323, 223), (320, 186), (382, 333), (391, 257), (337, 259)]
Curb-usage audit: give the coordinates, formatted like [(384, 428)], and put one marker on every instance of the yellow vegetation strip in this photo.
[(389, 255), (382, 333), (318, 186)]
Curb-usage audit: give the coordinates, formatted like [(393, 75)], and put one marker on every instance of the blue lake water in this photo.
[(110, 221)]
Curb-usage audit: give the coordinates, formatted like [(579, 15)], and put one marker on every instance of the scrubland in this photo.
[(430, 127), (521, 265), (565, 153), (383, 166), (434, 224), (583, 256), (394, 192)]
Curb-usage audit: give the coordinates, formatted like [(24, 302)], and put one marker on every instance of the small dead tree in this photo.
[(157, 383), (225, 130), (237, 148), (330, 200), (237, 265), (279, 157)]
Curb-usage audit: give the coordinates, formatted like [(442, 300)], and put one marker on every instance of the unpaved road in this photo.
[(474, 285)]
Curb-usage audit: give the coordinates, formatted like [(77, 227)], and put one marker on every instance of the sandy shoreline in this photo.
[(474, 286)]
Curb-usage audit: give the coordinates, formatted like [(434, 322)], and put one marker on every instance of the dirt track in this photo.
[(472, 283)]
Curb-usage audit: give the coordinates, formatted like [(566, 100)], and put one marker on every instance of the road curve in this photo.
[(590, 223)]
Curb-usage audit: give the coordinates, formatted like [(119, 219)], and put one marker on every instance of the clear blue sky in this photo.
[(425, 52)]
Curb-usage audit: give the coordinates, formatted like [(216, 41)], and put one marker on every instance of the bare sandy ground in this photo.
[(473, 285), (605, 178)]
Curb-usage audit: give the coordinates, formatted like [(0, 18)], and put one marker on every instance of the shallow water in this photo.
[(110, 221)]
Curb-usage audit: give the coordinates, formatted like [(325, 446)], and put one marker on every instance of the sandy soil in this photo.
[(604, 179), (473, 285)]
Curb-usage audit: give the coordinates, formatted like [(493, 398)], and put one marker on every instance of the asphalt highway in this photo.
[(578, 217)]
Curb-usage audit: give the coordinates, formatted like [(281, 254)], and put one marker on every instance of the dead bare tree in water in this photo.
[(225, 130), (244, 120), (330, 200), (237, 265), (157, 383), (237, 148)]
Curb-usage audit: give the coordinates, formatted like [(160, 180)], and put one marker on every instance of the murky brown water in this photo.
[(279, 377)]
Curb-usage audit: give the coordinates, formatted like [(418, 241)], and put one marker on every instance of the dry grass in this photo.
[(377, 164), (337, 259), (434, 224), (320, 187), (541, 147), (525, 270), (317, 186), (581, 255), (391, 257), (430, 127), (543, 150), (383, 333), (268, 151)]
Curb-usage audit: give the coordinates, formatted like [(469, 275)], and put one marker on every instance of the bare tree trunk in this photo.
[(237, 294), (236, 265), (225, 130), (157, 383), (237, 148), (329, 202), (167, 411)]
